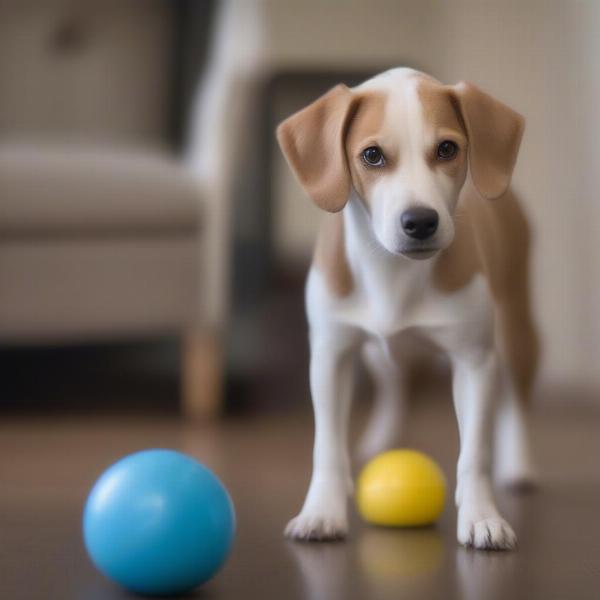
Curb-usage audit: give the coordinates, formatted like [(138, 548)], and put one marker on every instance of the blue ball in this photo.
[(158, 522)]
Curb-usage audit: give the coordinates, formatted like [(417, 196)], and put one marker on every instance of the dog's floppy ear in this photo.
[(494, 131), (313, 142)]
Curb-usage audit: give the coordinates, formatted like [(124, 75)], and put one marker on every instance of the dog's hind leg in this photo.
[(384, 427), (514, 466), (513, 462)]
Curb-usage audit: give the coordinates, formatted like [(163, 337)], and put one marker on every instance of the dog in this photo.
[(423, 238)]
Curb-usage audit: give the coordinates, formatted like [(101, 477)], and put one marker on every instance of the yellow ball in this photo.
[(401, 488)]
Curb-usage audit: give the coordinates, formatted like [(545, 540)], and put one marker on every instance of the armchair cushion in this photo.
[(60, 191)]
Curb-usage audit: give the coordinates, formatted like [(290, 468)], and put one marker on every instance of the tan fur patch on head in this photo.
[(330, 256), (366, 130), (438, 107), (443, 119)]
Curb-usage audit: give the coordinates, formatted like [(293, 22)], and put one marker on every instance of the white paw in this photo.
[(492, 533), (312, 527)]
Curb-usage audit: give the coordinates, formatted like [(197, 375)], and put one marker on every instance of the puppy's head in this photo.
[(404, 142)]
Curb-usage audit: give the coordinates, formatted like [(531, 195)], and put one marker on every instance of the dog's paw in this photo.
[(316, 528), (493, 533)]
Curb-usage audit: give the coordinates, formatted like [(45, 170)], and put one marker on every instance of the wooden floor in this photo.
[(47, 465)]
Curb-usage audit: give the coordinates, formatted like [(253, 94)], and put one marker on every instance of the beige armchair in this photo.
[(102, 227)]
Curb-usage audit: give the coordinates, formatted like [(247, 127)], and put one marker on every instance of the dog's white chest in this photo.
[(387, 301), (390, 301)]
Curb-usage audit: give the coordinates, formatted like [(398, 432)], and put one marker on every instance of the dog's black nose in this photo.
[(419, 223)]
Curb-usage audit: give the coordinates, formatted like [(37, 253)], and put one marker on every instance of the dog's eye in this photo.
[(447, 150), (373, 156)]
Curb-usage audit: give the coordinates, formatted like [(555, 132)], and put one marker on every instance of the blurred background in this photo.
[(153, 252), (153, 245)]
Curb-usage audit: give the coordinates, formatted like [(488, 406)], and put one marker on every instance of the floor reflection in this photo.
[(487, 575), (323, 568), (400, 560), (389, 554), (377, 563)]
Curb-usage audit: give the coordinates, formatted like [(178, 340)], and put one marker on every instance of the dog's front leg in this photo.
[(475, 386), (324, 514)]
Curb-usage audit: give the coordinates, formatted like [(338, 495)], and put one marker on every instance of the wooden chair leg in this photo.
[(201, 375)]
